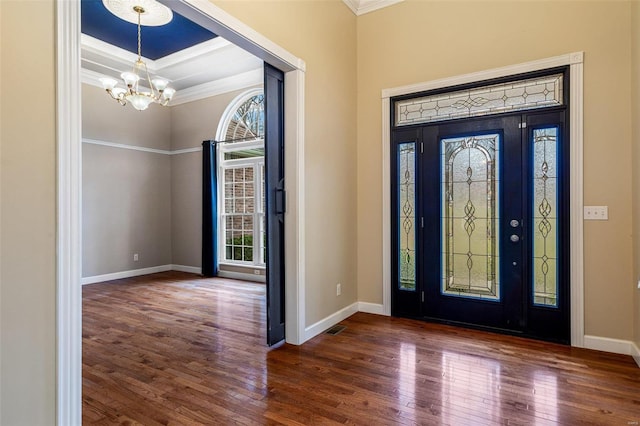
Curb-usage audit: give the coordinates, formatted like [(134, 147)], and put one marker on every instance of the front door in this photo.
[(480, 210)]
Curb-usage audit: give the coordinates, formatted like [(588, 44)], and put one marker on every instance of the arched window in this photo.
[(240, 151), (243, 119), (247, 122)]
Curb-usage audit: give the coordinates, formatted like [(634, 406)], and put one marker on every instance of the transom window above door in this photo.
[(512, 96)]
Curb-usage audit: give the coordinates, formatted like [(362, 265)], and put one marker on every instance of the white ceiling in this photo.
[(209, 68)]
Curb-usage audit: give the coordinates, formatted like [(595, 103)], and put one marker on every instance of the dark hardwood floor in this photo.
[(174, 348)]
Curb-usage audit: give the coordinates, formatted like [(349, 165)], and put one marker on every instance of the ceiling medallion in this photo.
[(139, 97), (155, 14)]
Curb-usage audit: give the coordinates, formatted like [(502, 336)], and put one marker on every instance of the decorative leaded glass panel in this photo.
[(532, 93), (248, 121), (407, 216), (470, 240), (545, 214)]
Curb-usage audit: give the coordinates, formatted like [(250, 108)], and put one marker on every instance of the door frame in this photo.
[(575, 116), (69, 184)]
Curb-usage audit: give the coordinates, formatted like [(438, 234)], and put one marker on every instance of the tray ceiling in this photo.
[(196, 61)]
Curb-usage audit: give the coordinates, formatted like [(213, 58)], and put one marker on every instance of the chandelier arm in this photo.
[(110, 92), (120, 99), (153, 93)]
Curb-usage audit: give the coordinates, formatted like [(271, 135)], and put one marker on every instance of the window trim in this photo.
[(231, 109), (257, 163)]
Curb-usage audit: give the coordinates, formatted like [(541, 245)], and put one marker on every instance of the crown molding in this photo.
[(201, 91), (360, 7), (211, 61), (99, 47), (192, 52), (92, 78), (218, 87), (126, 58), (353, 5)]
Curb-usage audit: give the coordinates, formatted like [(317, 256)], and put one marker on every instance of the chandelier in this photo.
[(138, 96)]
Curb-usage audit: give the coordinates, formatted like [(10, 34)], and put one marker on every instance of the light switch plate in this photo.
[(596, 212)]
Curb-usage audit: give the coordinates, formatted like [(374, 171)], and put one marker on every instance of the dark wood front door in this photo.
[(480, 211)]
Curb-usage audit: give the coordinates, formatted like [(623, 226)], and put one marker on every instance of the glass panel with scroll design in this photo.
[(545, 217), (407, 216), (520, 95), (469, 217)]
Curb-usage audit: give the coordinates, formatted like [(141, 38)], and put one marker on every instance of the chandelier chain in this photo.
[(139, 38)]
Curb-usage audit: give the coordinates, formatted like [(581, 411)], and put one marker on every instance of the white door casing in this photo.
[(69, 184), (576, 89)]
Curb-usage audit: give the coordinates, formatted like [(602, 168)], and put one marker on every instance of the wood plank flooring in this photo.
[(175, 348)]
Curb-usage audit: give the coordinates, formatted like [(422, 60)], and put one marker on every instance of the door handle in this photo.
[(514, 238), (280, 201)]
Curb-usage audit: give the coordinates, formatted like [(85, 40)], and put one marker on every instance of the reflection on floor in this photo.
[(175, 348)]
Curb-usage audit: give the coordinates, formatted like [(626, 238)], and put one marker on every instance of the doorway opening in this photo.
[(142, 205), (480, 206), (69, 181)]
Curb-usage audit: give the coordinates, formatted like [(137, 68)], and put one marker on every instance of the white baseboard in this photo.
[(190, 269), (607, 344), (164, 268), (371, 308), (125, 274), (328, 322), (635, 353), (242, 276)]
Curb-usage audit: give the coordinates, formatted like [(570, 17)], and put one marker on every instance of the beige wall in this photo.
[(126, 209), (126, 194), (142, 202), (104, 119), (323, 34), (186, 206), (419, 41), (1, 226), (28, 213), (635, 114), (197, 121)]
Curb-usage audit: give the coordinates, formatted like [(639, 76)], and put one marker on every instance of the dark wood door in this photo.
[(275, 202), (481, 220)]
